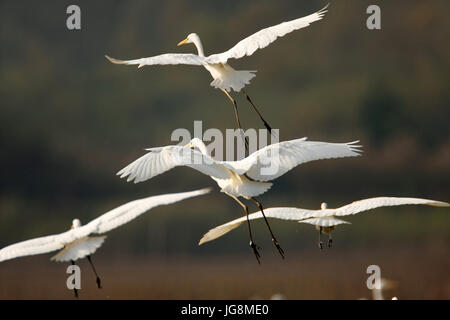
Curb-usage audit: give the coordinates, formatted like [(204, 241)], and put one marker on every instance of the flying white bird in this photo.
[(78, 242), (225, 77), (384, 284), (380, 285), (245, 178), (324, 219)]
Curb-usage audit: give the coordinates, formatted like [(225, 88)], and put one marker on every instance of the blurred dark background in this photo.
[(70, 120)]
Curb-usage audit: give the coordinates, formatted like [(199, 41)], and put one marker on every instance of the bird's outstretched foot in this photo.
[(99, 283), (280, 250), (320, 245), (330, 241), (255, 251)]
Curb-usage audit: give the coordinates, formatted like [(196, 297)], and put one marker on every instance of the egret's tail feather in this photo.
[(79, 249), (234, 79), (248, 189)]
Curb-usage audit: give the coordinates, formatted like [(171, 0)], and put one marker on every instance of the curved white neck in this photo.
[(199, 46), (202, 147)]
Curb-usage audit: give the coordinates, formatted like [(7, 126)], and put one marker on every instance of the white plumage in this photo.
[(324, 222), (79, 249), (323, 217), (225, 77), (244, 178), (78, 243)]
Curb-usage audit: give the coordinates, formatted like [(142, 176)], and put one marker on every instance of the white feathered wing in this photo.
[(78, 243)]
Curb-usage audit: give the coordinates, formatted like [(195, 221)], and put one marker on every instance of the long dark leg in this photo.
[(330, 241), (320, 238), (253, 246), (268, 127), (274, 240), (75, 291), (236, 113), (99, 283)]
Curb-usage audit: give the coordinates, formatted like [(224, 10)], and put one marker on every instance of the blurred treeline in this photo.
[(70, 119)]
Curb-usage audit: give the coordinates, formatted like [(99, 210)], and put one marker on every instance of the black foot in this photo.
[(255, 251), (320, 245), (330, 241), (275, 242), (75, 291), (99, 283)]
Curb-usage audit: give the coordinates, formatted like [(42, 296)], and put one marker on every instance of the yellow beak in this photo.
[(182, 42)]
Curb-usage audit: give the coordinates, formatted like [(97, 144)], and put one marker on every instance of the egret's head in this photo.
[(323, 206), (75, 224), (195, 143), (191, 38), (198, 144)]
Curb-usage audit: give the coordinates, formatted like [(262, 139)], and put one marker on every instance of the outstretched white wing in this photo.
[(245, 47), (274, 160), (102, 224), (284, 213), (264, 37), (131, 210), (160, 160), (372, 203), (163, 59), (37, 245), (318, 217)]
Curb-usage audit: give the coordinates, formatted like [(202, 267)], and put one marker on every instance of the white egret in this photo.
[(384, 284), (225, 77), (380, 286), (245, 178), (78, 242), (324, 219)]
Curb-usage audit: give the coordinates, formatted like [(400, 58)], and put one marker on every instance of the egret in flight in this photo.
[(79, 241), (380, 286), (225, 77), (323, 219), (245, 178)]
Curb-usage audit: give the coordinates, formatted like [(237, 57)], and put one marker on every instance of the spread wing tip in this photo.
[(324, 9), (115, 61), (439, 204), (205, 190), (355, 147), (122, 173)]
